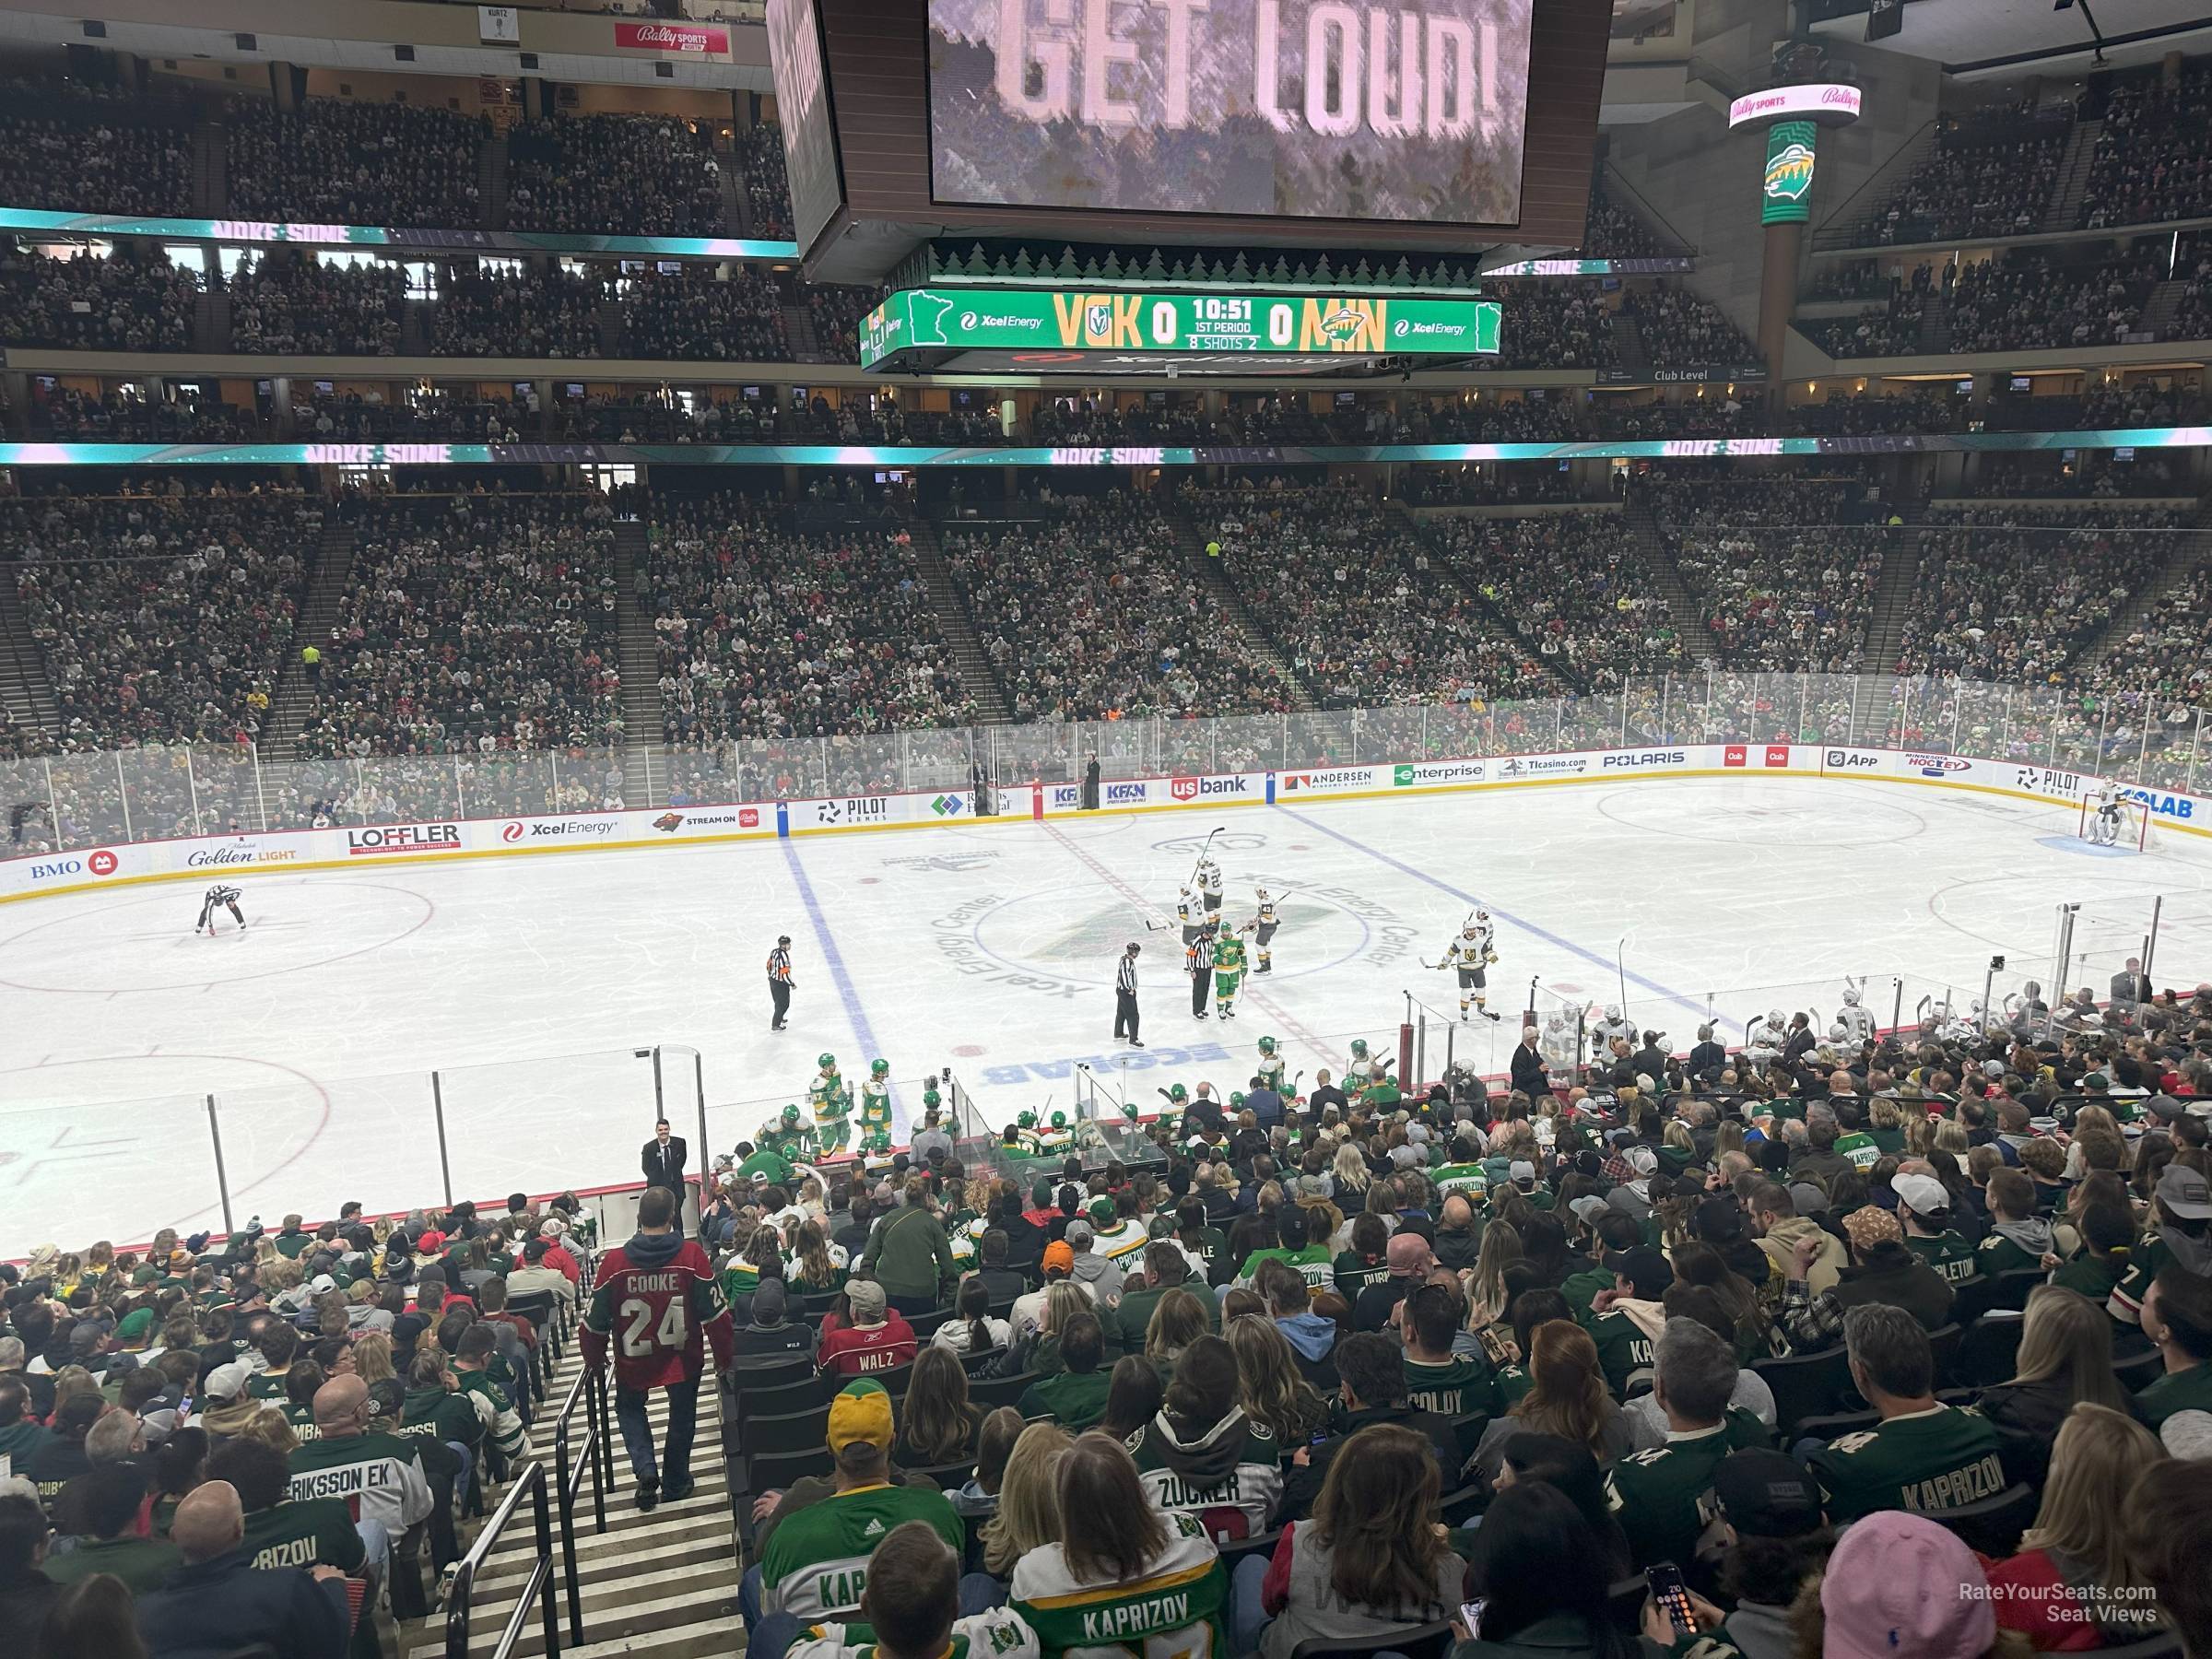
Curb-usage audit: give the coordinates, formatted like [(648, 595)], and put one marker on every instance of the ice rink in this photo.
[(530, 983)]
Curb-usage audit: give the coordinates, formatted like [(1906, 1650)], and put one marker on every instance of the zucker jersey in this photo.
[(992, 1634), (815, 1564), (1928, 1462), (653, 1298), (1171, 1609)]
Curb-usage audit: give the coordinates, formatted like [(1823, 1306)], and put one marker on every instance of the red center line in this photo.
[(1283, 1017)]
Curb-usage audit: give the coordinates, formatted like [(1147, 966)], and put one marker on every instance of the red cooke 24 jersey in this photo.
[(652, 1303)]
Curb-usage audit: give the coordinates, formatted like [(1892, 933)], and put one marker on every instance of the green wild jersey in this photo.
[(1952, 1256), (874, 1106), (1175, 1607), (815, 1564), (1940, 1459), (1663, 1496), (1461, 1386), (1862, 1150), (995, 1634), (1469, 1178)]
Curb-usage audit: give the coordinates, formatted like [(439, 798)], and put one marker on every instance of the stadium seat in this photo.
[(1835, 1426), (1994, 1525), (1422, 1642), (991, 1392), (1986, 1355), (1804, 1385), (787, 1431)]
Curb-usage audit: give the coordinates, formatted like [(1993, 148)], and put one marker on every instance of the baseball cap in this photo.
[(1642, 1160), (135, 1324), (1923, 1194), (768, 1302), (1767, 1493), (1871, 1226), (1720, 1220), (1059, 1253), (1408, 1252), (1100, 1211), (1079, 1235), (1898, 1583), (322, 1283), (868, 1300), (1588, 1208), (1521, 1170), (2185, 1193), (1647, 1270), (227, 1381), (861, 1415), (1809, 1199)]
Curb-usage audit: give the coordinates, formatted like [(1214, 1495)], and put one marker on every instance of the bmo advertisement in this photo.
[(1299, 109)]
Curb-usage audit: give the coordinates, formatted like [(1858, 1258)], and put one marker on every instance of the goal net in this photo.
[(2127, 829)]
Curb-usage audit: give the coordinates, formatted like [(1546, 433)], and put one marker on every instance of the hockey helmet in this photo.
[(1027, 1120), (1481, 914), (1360, 1048), (1266, 1045), (827, 1062), (1236, 1100), (878, 1069), (1129, 1110), (1059, 1120), (1851, 997), (1774, 1017), (1260, 893), (1612, 1010), (1176, 1091), (1469, 931), (790, 1114), (931, 1098)]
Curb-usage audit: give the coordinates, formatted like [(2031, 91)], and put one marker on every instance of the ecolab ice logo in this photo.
[(1733, 755), (2164, 805), (1649, 758), (1936, 766), (1850, 759), (402, 838), (1190, 789)]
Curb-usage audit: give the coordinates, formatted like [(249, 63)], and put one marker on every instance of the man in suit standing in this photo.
[(2131, 987), (663, 1165), (1528, 1074)]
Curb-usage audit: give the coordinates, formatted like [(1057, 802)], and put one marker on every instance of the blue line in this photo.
[(843, 979), (1526, 926)]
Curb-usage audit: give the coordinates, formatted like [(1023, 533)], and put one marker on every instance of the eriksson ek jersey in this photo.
[(1173, 1609)]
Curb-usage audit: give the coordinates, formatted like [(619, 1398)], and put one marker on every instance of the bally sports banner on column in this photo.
[(1305, 109)]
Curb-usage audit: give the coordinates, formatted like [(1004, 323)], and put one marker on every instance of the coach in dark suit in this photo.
[(1529, 1076), (664, 1161)]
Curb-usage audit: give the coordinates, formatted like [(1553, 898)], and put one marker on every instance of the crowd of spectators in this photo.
[(1784, 568), (1091, 613), (85, 303), (160, 618), (1308, 562), (76, 149), (186, 415), (1611, 231), (1893, 331), (1988, 177), (338, 162), (759, 157), (1855, 414), (639, 175), (692, 314), (2168, 652), (471, 623), (552, 313), (2012, 594), (835, 310), (1551, 325), (765, 631), (2191, 318), (2153, 159), (291, 305), (2022, 302), (1680, 330)]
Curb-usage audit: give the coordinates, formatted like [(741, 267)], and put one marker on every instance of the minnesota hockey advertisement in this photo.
[(1309, 109)]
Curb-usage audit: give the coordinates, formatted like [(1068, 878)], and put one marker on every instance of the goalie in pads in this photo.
[(2106, 824)]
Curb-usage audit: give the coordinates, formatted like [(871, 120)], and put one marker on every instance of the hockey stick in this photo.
[(1152, 926), (1619, 968), (1205, 847)]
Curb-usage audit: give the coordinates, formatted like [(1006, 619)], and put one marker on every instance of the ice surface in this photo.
[(528, 982)]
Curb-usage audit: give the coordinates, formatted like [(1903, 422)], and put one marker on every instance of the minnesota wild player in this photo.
[(1270, 1068), (1229, 971), (787, 1137), (875, 1151), (832, 1105), (875, 1100), (1358, 1077), (1026, 1136), (1055, 1137)]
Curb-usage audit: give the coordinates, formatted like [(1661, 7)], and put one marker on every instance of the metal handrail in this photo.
[(590, 1392), (531, 1483)]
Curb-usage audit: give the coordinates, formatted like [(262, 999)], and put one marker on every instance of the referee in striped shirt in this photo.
[(779, 979), (1124, 997)]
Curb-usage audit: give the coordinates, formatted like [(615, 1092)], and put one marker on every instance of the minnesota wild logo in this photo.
[(1789, 172), (1341, 325)]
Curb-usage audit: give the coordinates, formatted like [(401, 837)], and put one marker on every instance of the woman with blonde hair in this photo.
[(1269, 1386), (816, 1267), (1028, 1502), (2072, 1581), (1566, 1396), (1349, 1177), (1178, 1320), (1485, 1282), (1727, 1138), (2064, 1359)]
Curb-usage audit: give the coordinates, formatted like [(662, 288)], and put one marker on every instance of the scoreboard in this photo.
[(1042, 330)]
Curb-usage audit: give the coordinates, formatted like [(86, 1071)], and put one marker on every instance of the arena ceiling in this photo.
[(1992, 37)]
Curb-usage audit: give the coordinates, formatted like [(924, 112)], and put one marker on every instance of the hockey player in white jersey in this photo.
[(1264, 921), (1854, 1017), (1765, 1038), (1560, 1045), (1190, 915), (1209, 885), (1612, 1026), (1471, 954), (2104, 815)]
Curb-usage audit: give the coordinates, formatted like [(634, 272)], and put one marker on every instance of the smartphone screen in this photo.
[(1668, 1589), (1470, 1615)]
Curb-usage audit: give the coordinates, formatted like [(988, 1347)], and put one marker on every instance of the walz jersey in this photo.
[(1173, 1609), (654, 1299)]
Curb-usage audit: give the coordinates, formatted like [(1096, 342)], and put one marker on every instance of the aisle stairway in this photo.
[(1440, 567), (1208, 571), (25, 691), (2064, 211), (326, 586), (959, 627), (491, 182), (662, 1585), (1627, 347), (210, 170), (1690, 616), (639, 664), (1893, 595)]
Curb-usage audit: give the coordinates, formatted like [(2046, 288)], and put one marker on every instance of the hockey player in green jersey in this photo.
[(1056, 1137), (1229, 971), (787, 1137), (876, 1152), (876, 1099), (833, 1108), (1270, 1068)]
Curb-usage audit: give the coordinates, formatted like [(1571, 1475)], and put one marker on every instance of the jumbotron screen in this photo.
[(1300, 109)]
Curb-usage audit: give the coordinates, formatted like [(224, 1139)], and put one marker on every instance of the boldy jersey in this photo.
[(1173, 1609), (815, 1564), (655, 1303)]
